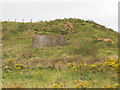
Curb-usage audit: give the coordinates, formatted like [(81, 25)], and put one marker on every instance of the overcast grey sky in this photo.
[(104, 12)]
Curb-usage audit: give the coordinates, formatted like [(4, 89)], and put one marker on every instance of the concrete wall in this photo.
[(40, 41)]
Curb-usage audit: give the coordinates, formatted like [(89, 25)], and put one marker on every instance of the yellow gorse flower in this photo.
[(16, 65), (75, 80), (59, 62), (69, 64), (61, 84), (85, 64), (76, 70), (18, 68), (82, 84), (93, 66), (112, 85), (56, 86), (74, 67), (10, 60)]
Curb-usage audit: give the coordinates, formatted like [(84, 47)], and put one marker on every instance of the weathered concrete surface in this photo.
[(40, 41)]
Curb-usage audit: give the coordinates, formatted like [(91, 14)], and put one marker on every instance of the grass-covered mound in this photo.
[(81, 39)]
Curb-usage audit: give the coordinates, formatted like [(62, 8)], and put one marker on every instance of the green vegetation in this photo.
[(87, 42)]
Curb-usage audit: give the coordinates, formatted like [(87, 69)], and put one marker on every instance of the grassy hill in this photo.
[(82, 46), (81, 39)]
